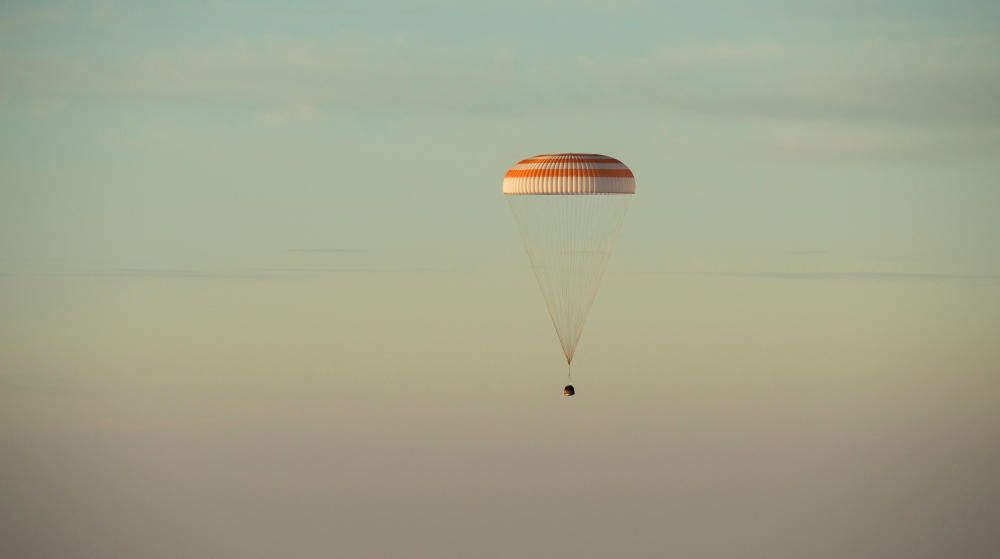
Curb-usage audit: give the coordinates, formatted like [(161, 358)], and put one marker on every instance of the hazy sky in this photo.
[(260, 294)]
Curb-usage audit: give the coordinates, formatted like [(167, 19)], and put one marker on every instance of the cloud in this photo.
[(25, 19), (347, 270), (950, 80), (838, 97), (892, 276), (804, 252), (170, 273), (263, 273), (296, 263), (341, 250)]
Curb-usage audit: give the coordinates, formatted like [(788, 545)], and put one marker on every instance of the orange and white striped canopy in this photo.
[(569, 173)]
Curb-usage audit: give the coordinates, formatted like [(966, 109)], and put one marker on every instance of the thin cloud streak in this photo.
[(893, 276), (943, 81), (343, 250), (254, 273), (804, 252)]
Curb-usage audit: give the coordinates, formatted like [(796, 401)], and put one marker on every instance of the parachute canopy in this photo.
[(569, 207), (568, 174)]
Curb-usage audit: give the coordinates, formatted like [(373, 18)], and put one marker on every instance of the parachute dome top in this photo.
[(569, 174)]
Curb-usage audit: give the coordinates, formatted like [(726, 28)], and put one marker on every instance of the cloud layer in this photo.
[(951, 81)]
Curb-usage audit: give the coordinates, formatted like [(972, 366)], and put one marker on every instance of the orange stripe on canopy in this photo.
[(569, 160), (515, 173)]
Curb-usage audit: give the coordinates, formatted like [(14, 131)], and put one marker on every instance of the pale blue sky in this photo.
[(228, 115)]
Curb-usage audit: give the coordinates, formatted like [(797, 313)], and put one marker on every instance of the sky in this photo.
[(260, 293)]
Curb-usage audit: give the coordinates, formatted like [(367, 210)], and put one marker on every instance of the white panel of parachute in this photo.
[(569, 207)]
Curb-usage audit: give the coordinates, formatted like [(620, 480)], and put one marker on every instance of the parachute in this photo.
[(569, 208)]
